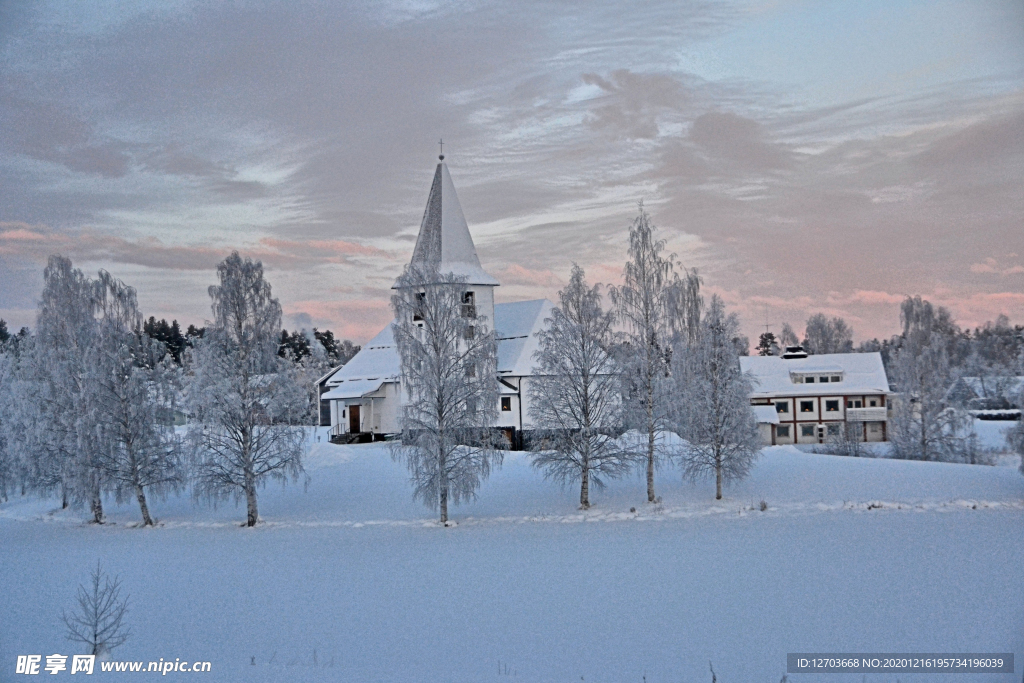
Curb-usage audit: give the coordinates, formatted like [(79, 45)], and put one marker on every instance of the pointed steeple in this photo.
[(444, 241)]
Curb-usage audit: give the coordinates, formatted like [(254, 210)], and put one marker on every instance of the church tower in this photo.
[(444, 244)]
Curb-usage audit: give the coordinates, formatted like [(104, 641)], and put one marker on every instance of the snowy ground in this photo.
[(852, 555)]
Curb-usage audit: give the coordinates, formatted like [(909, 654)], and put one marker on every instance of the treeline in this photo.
[(995, 349), (298, 345), (90, 401)]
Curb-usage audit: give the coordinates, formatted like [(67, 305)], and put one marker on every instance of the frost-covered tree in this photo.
[(787, 337), (62, 442), (449, 373), (713, 410), (923, 425), (574, 398), (1015, 437), (98, 622), (8, 463), (134, 382), (645, 305), (827, 335), (244, 399)]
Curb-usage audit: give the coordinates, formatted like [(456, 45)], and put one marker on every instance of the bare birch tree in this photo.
[(135, 392), (714, 413), (449, 374), (644, 305), (99, 622), (574, 397), (244, 399)]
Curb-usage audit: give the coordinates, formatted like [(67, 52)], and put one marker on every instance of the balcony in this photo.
[(866, 414)]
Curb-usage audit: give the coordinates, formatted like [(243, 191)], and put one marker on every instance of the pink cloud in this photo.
[(993, 266), (36, 242), (515, 274)]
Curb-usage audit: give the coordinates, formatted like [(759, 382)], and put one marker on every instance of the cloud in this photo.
[(515, 274), (37, 242), (729, 136), (160, 137), (355, 319), (632, 105), (993, 266)]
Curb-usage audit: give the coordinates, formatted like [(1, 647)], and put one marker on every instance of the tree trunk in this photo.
[(718, 482), (250, 498), (444, 505), (650, 448), (96, 505), (585, 487), (140, 495)]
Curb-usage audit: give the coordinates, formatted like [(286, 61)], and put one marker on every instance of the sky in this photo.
[(804, 157)]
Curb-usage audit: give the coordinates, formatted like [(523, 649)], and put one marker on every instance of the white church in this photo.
[(365, 395)]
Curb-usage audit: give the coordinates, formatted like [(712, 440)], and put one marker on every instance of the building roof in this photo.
[(378, 360), (444, 243), (766, 414), (772, 376), (516, 327), (354, 388)]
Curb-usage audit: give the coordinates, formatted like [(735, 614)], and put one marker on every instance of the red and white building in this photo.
[(804, 399)]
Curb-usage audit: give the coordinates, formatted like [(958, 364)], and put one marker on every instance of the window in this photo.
[(823, 380), (468, 305), (873, 428), (469, 332), (421, 302), (506, 403), (782, 407), (782, 430), (874, 403), (471, 370), (808, 380), (832, 430), (836, 378), (807, 430), (806, 406), (856, 404), (832, 406)]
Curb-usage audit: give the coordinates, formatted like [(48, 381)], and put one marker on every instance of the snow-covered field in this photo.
[(851, 555)]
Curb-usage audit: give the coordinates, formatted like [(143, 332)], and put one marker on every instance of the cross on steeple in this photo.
[(441, 155)]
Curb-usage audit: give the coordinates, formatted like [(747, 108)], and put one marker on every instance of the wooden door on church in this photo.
[(353, 419)]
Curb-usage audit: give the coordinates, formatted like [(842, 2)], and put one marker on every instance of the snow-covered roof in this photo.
[(327, 375), (377, 360), (766, 414), (444, 242), (354, 388), (773, 376), (516, 326)]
